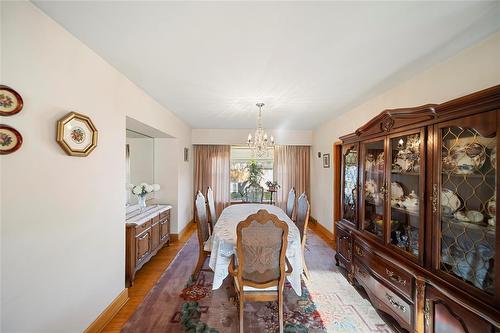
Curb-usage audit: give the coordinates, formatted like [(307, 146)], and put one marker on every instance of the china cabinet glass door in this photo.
[(405, 192), (349, 182), (374, 193), (467, 196)]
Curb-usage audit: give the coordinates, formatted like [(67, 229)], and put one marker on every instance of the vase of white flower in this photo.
[(141, 201), (142, 190)]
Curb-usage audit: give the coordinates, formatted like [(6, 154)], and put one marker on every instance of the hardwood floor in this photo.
[(146, 278)]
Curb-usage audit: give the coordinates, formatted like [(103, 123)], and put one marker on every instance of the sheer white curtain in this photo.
[(291, 169), (212, 165)]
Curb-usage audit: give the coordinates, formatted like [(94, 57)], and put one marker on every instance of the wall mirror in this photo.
[(139, 162)]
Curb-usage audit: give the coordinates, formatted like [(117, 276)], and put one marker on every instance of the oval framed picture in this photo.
[(10, 139), (10, 101)]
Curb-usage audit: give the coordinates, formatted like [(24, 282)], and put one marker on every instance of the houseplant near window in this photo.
[(272, 186)]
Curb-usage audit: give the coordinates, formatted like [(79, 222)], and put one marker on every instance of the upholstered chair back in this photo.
[(261, 248), (211, 206), (303, 209), (290, 204), (201, 213)]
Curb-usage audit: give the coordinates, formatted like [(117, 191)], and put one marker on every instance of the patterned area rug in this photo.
[(328, 303)]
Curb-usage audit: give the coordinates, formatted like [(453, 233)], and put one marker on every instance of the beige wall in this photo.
[(62, 232), (471, 70)]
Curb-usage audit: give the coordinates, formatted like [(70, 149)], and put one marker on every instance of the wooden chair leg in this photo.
[(306, 270), (201, 260), (280, 309), (242, 304)]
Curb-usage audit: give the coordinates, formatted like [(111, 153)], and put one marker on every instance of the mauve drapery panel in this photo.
[(292, 169), (212, 168)]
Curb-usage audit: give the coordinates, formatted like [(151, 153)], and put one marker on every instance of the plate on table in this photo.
[(450, 202)]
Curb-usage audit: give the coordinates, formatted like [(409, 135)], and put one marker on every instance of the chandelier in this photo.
[(260, 144)]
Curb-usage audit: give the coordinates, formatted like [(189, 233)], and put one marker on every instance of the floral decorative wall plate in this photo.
[(10, 101), (10, 140), (76, 134)]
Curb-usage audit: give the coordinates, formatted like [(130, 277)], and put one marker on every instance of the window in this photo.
[(241, 157)]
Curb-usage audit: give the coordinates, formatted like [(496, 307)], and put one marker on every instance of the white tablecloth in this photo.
[(224, 242)]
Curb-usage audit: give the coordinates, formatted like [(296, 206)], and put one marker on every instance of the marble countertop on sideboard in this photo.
[(136, 217)]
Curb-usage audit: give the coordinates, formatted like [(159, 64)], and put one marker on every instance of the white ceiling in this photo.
[(210, 62)]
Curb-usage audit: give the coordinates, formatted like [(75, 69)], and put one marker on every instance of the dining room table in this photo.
[(224, 242)]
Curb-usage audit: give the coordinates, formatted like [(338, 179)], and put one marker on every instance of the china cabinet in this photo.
[(417, 228)]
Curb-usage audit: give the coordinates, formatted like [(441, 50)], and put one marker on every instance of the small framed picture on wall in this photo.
[(326, 160), (186, 154)]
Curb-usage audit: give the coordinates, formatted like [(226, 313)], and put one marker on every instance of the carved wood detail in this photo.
[(387, 119)]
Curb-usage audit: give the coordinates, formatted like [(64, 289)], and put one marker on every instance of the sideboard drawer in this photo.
[(165, 214), (142, 227)]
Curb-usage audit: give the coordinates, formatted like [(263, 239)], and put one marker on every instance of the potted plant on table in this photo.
[(273, 186)]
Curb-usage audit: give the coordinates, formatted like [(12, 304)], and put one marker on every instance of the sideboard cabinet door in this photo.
[(443, 315), (143, 245), (165, 229)]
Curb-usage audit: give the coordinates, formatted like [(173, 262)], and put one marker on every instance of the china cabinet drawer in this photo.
[(393, 275), (155, 219), (142, 227), (383, 298)]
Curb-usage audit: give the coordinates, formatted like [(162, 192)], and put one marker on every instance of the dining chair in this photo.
[(290, 204), (204, 240), (211, 207), (303, 211), (254, 193), (261, 242)]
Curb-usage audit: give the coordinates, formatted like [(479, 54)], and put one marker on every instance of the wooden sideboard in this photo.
[(417, 232), (147, 231)]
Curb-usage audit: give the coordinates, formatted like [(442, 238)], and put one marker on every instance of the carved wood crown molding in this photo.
[(386, 120)]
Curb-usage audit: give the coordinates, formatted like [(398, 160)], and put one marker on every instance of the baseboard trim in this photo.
[(105, 317), (322, 229), (176, 237)]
